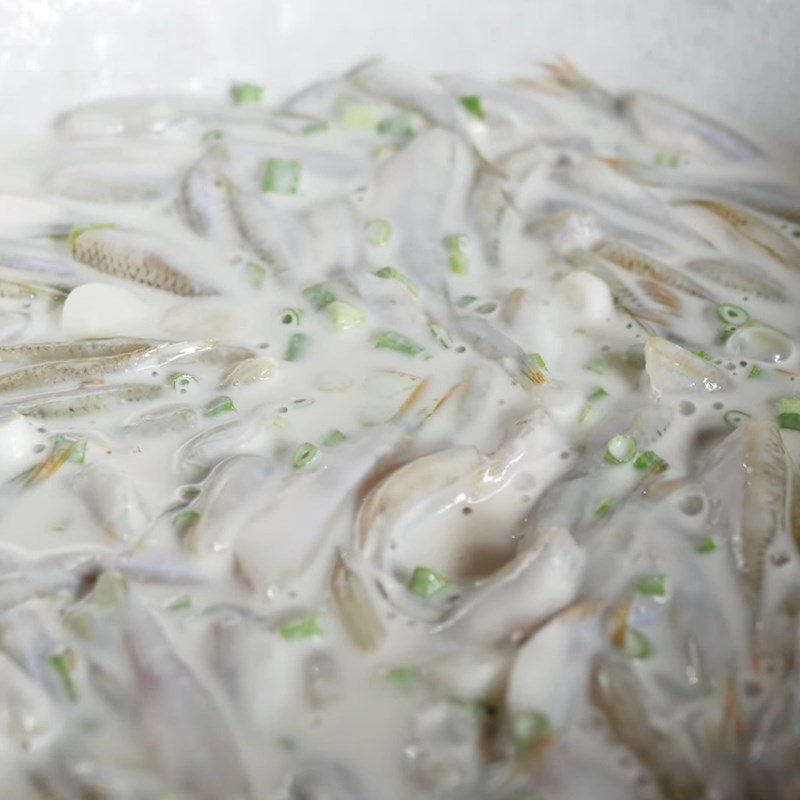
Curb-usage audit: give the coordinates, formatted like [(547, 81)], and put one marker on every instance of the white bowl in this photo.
[(736, 58)]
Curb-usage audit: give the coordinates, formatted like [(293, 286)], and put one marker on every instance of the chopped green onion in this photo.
[(706, 545), (297, 347), (472, 105), (180, 603), (291, 316), (189, 493), (69, 443), (735, 418), (184, 520), (403, 677), (755, 371), (596, 365), (427, 583), (732, 315), (247, 93), (220, 405), (333, 438), (535, 360), (475, 708), (637, 645), (304, 454), (398, 125), (314, 127), (257, 273), (378, 231), (392, 340), (789, 413), (702, 353), (76, 230), (528, 727), (180, 380), (344, 316), (605, 507), (649, 461), (354, 115), (60, 663), (319, 295), (281, 176), (465, 300), (212, 136), (391, 272), (305, 627), (385, 152), (652, 585), (620, 449), (597, 394), (454, 244), (666, 160)]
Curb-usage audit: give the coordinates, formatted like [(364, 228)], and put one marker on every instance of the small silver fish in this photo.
[(741, 276), (77, 402), (126, 256), (59, 351)]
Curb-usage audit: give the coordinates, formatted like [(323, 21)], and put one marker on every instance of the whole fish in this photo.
[(78, 402), (124, 255)]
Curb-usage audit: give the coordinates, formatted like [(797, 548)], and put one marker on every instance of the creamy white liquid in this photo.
[(530, 522)]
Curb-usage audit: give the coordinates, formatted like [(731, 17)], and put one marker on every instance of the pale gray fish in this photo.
[(741, 276), (750, 227), (780, 200), (643, 266), (491, 204), (658, 119), (13, 324), (79, 402), (64, 350), (605, 185), (162, 420), (187, 734), (41, 266), (123, 179), (115, 503), (619, 693), (226, 499), (337, 235), (152, 115), (48, 373), (276, 235), (130, 257), (15, 289), (673, 369), (570, 226), (205, 199)]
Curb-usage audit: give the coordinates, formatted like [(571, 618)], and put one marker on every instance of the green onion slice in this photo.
[(620, 449), (392, 340), (297, 347), (319, 295), (304, 454), (652, 585), (333, 438), (789, 413), (597, 394), (281, 176), (220, 405), (426, 583), (257, 273), (472, 105), (181, 380), (378, 232), (305, 627), (73, 446), (399, 125), (650, 461), (404, 280), (184, 520), (60, 663), (706, 545), (732, 315), (403, 677), (291, 316), (247, 93), (637, 645), (344, 316), (596, 365)]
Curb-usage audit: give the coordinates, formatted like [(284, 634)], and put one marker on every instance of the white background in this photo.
[(737, 58)]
